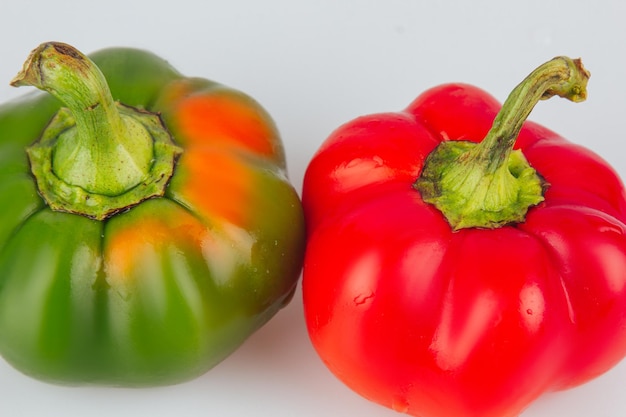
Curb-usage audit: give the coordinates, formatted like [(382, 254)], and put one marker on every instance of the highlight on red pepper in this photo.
[(461, 260), (148, 225)]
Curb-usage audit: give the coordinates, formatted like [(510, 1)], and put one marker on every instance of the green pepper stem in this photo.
[(105, 153), (96, 157), (489, 184)]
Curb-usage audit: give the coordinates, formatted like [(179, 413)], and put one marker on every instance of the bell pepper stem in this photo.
[(488, 184), (96, 157), (105, 153), (561, 76)]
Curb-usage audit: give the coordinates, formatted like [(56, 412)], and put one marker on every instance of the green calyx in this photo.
[(96, 157), (488, 184)]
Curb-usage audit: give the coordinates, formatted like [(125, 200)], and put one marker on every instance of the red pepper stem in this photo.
[(561, 76), (488, 184)]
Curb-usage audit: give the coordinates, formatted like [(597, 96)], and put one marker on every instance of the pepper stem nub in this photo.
[(488, 184), (97, 156)]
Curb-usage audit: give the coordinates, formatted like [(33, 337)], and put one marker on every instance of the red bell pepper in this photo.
[(451, 275)]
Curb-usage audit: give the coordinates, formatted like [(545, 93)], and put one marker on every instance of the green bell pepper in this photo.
[(148, 226)]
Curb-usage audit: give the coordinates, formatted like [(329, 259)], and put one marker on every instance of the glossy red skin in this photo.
[(477, 322)]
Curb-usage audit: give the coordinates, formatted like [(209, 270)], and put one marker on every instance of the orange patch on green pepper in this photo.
[(123, 249), (227, 120), (217, 184)]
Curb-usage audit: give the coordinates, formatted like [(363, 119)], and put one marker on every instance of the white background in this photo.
[(315, 65)]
